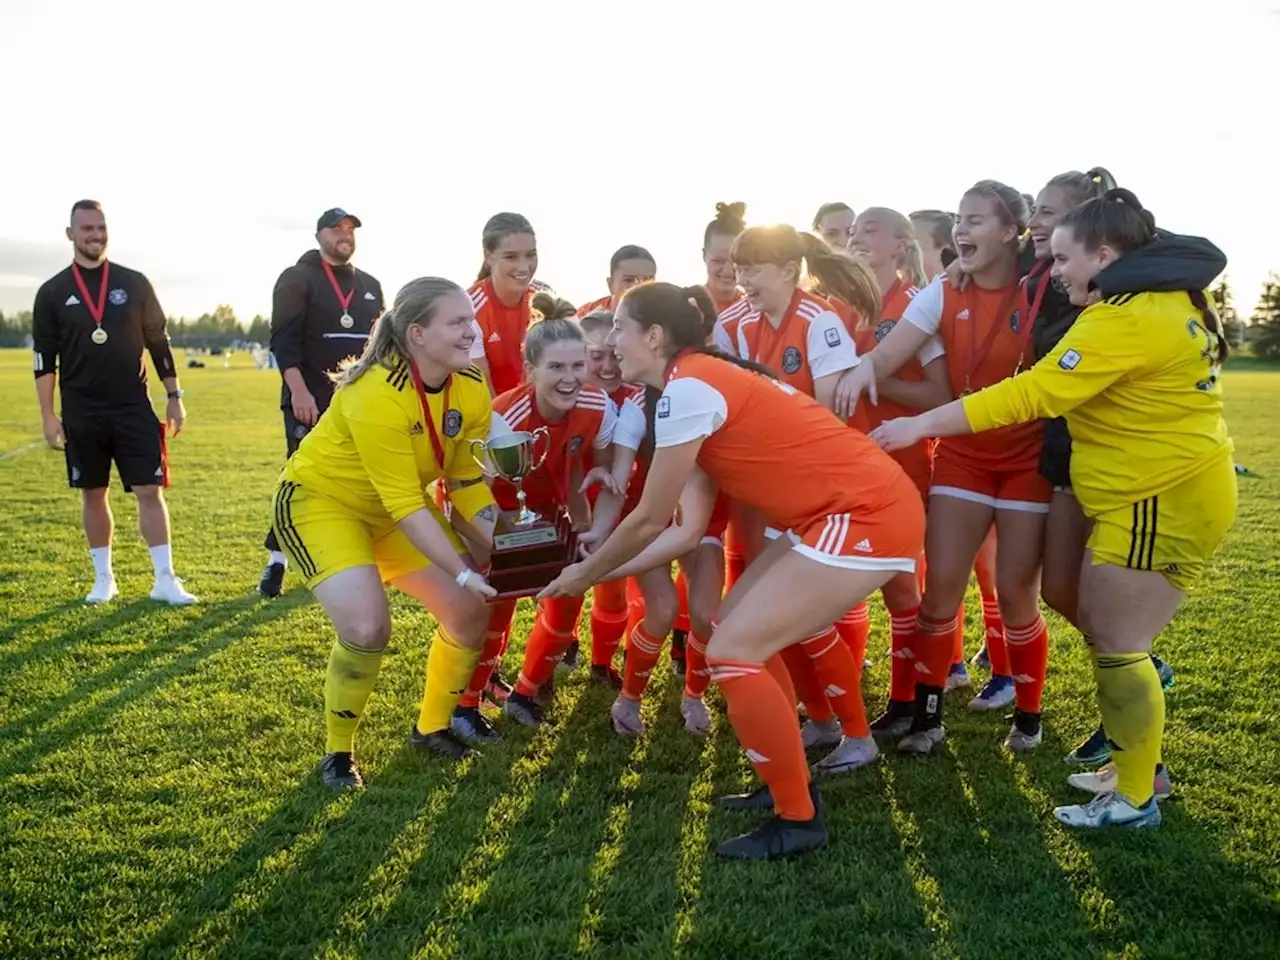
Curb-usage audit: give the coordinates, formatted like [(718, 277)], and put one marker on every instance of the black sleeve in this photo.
[(44, 334), (288, 315), (1171, 262), (154, 334), (382, 301)]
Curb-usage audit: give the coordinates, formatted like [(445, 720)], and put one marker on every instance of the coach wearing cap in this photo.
[(321, 313)]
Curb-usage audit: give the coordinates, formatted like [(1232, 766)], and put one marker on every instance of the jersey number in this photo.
[(1208, 353)]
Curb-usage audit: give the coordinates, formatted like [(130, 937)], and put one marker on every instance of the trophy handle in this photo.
[(546, 434), (479, 462)]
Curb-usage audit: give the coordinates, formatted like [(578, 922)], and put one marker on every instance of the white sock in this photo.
[(162, 560), (101, 563), (278, 557)]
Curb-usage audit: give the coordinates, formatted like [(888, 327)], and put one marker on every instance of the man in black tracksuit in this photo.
[(322, 310)]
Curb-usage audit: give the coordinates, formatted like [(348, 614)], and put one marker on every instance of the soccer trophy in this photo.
[(529, 550)]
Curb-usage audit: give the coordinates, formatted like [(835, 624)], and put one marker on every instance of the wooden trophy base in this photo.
[(527, 557)]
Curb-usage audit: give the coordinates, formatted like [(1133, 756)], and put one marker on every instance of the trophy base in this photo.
[(528, 556)]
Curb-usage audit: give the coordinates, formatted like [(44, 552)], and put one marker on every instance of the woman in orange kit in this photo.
[(628, 266), (580, 421), (852, 516), (985, 329)]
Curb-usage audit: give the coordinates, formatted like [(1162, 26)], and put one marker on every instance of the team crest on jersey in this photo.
[(791, 360), (118, 297), (1015, 321), (832, 336), (1069, 360), (452, 423), (664, 407), (575, 445), (883, 328)]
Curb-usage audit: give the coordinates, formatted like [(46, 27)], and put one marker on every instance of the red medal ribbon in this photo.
[(333, 282), (437, 447), (95, 309), (1031, 311), (976, 353)]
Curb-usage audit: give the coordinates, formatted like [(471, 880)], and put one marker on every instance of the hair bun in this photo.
[(736, 211)]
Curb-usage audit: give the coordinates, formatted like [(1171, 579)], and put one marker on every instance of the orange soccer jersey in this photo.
[(845, 496), (588, 426), (604, 303), (501, 331), (810, 342)]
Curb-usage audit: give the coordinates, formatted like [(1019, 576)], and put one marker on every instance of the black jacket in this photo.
[(306, 328), (1171, 262)]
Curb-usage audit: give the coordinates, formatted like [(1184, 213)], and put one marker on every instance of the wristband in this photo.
[(464, 576)]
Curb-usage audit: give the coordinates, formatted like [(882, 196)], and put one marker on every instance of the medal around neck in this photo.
[(529, 551), (99, 336), (347, 320)]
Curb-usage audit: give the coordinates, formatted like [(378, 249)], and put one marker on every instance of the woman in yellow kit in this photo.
[(353, 512), (1137, 378)]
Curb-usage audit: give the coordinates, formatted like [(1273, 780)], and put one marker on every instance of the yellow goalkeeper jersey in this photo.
[(1138, 380), (372, 451)]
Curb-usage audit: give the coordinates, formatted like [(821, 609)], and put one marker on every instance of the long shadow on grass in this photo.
[(97, 621), (446, 895), (134, 676)]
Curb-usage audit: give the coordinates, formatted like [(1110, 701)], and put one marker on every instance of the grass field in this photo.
[(158, 794)]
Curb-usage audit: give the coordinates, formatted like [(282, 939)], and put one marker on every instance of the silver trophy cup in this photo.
[(513, 457)]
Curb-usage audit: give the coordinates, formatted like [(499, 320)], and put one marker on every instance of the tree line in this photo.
[(221, 329)]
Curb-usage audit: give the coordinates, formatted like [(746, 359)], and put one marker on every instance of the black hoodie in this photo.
[(306, 327), (1170, 262)]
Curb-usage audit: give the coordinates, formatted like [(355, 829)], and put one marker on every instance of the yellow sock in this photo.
[(347, 686), (1132, 707), (449, 669)]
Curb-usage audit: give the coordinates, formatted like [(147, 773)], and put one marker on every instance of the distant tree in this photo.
[(15, 328), (1224, 303), (259, 330), (1264, 333)]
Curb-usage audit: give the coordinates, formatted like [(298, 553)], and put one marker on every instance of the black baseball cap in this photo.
[(331, 218)]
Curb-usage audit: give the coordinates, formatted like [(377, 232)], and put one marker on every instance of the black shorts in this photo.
[(1055, 456), (294, 430), (132, 439)]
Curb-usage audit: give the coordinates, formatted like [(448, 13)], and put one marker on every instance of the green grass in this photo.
[(158, 796)]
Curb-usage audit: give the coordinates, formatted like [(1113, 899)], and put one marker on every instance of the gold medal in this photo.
[(347, 321), (99, 336)]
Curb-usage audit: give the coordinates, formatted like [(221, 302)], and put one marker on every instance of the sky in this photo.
[(215, 134)]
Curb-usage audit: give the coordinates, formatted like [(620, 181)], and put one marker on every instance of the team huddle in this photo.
[(1027, 389)]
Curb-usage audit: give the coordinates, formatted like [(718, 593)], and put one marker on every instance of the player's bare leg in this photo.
[(153, 523), (99, 526)]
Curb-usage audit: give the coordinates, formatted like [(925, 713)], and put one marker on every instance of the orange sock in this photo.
[(635, 605), (995, 635), (682, 607), (609, 614), (902, 680), (1028, 649), (551, 635), (841, 679), (804, 677), (932, 644), (763, 722), (777, 668), (957, 647), (855, 629), (490, 657), (643, 650), (697, 674)]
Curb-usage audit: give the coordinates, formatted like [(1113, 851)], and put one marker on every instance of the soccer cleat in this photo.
[(1093, 752), (821, 733), (339, 772), (996, 694), (523, 710), (758, 799), (852, 753), (1165, 671), (982, 659), (922, 741), (570, 659), (779, 838), (697, 720), (604, 675), (958, 677), (444, 743), (626, 717), (271, 584), (1103, 780), (170, 590), (470, 725), (497, 690), (104, 591), (1110, 810), (894, 722), (1026, 733)]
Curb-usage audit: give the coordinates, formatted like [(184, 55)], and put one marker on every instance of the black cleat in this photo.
[(776, 838), (339, 772), (546, 693), (895, 721), (523, 710), (570, 659), (498, 690), (473, 727), (272, 583), (758, 799), (606, 676), (444, 743)]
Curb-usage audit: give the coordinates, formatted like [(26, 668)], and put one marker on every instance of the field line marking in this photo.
[(7, 454)]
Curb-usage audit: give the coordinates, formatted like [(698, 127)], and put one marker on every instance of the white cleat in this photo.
[(996, 694), (170, 590), (626, 717), (697, 720), (104, 590), (852, 753), (821, 733), (1103, 780), (1109, 810), (922, 741), (1019, 741)]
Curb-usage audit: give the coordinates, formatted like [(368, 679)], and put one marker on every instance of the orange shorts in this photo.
[(890, 538), (1018, 487), (719, 521)]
